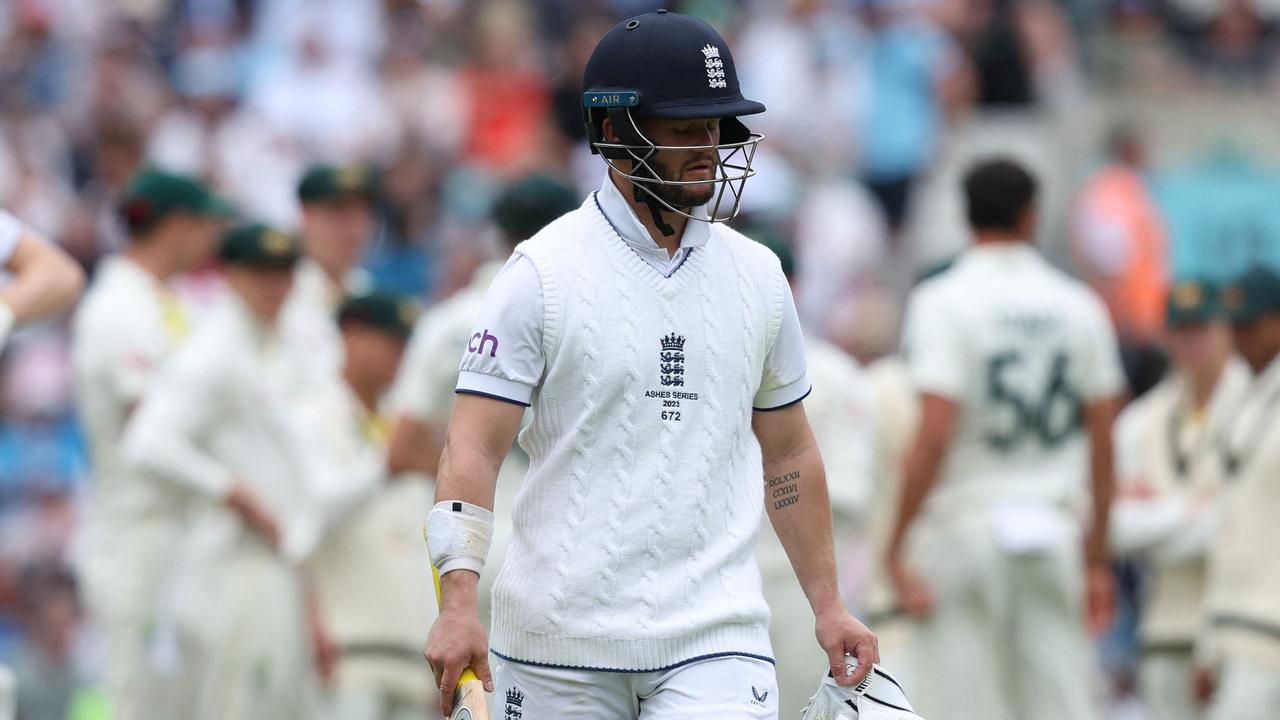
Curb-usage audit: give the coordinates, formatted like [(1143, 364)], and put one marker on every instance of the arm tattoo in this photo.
[(784, 490)]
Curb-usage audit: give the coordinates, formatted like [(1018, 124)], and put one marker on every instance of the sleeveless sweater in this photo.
[(634, 533)]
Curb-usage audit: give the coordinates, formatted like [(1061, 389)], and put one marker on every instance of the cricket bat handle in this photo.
[(469, 701)]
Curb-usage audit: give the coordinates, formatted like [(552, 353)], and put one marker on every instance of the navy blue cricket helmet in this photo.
[(672, 66)]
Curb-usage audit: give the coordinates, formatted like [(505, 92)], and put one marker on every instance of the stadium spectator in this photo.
[(47, 669), (1120, 243), (507, 94), (919, 80)]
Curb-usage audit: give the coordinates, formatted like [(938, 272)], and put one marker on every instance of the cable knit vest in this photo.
[(635, 530)]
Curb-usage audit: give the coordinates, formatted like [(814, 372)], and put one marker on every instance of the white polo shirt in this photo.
[(513, 311)]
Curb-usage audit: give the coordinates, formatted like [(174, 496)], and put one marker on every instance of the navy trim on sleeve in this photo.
[(491, 396), (786, 405)]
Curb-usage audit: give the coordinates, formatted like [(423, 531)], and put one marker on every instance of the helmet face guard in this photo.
[(669, 66), (732, 163)]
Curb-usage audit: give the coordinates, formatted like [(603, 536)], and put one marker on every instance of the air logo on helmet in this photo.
[(624, 98), (715, 67)]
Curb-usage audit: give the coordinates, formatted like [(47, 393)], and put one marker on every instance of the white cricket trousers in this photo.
[(726, 688), (1246, 690), (240, 644), (1006, 639), (122, 580), (1167, 686)]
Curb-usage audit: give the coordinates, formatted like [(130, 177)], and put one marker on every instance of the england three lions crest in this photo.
[(514, 707), (671, 360), (715, 67)]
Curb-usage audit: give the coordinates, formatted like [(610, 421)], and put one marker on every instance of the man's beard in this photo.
[(681, 196)]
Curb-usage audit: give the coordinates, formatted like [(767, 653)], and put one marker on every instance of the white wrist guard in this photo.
[(458, 536), (6, 323)]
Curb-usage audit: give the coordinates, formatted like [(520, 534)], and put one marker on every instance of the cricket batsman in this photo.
[(663, 359)]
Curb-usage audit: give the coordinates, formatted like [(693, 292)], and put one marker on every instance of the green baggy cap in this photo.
[(1192, 302), (326, 182), (153, 194), (392, 313), (1252, 295), (258, 245)]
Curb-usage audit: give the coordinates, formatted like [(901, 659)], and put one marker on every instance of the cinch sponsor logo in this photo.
[(481, 340)]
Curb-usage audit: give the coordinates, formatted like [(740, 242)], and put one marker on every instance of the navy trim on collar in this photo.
[(622, 239)]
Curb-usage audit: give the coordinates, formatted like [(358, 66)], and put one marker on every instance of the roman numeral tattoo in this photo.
[(784, 490)]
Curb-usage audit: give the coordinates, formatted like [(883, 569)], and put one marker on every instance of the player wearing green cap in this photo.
[(337, 222), (1168, 476), (129, 322), (374, 599), (1242, 649), (218, 435)]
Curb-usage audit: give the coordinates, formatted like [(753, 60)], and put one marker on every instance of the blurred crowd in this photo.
[(873, 105)]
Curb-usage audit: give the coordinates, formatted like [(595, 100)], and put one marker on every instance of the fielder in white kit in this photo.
[(1169, 476), (129, 323), (1017, 368), (662, 357), (1241, 648), (218, 436)]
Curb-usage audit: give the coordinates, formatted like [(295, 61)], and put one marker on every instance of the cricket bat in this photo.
[(469, 702)]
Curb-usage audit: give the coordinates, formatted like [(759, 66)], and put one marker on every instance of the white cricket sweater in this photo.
[(1244, 566), (1162, 444), (634, 533)]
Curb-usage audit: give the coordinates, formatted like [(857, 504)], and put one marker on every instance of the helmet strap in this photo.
[(655, 209)]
